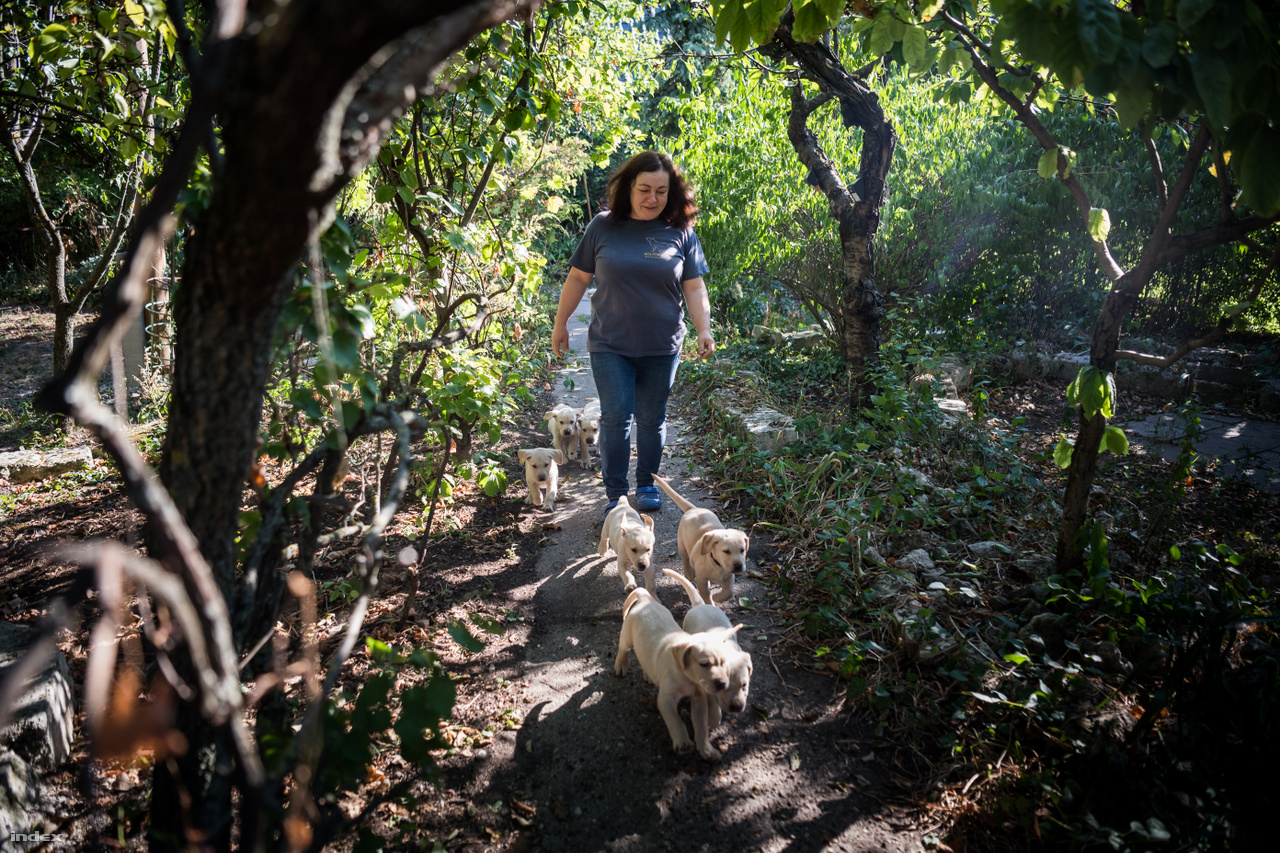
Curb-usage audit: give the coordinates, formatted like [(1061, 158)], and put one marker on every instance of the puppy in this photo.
[(588, 431), (541, 472), (630, 535), (681, 664), (562, 421), (711, 552), (704, 618)]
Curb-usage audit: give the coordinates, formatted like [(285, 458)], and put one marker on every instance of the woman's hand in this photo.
[(560, 340), (706, 345)]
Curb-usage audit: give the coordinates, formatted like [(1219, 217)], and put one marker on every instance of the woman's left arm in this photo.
[(695, 297)]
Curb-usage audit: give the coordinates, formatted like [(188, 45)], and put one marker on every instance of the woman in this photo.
[(647, 262)]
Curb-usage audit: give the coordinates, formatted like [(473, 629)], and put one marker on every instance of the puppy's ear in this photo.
[(735, 629), (648, 522), (558, 456), (706, 543), (683, 651), (746, 544), (522, 455)]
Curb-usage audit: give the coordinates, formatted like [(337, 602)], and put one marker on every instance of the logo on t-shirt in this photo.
[(659, 251)]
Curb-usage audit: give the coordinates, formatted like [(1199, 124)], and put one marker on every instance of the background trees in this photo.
[(87, 79)]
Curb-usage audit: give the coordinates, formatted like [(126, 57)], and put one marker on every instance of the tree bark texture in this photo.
[(857, 214), (307, 98)]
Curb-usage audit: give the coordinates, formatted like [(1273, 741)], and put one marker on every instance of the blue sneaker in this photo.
[(608, 508), (648, 498)]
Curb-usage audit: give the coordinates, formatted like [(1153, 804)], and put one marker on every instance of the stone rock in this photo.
[(914, 562), (979, 652), (766, 428), (806, 339), (1106, 656), (41, 730), (872, 555), (888, 584), (765, 335), (1038, 567), (920, 478), (20, 796), (1050, 628), (25, 466), (990, 550)]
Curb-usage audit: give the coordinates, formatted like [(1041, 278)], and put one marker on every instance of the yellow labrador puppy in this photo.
[(562, 422), (711, 552), (704, 618), (681, 664), (630, 535), (588, 431), (542, 473)]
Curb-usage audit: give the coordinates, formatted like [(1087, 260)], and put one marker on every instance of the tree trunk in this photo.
[(294, 132), (1084, 457), (856, 208)]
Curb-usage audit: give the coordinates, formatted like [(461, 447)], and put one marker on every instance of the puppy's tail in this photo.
[(632, 599), (684, 505), (695, 597)]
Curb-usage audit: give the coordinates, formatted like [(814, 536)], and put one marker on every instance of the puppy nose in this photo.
[(737, 707), (542, 478), (719, 684)]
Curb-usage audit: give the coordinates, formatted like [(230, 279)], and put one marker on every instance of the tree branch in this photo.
[(1157, 168), (1110, 267), (1218, 332)]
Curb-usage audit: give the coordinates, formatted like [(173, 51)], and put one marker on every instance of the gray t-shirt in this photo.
[(639, 266)]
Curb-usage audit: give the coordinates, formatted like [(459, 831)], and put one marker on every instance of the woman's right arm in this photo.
[(574, 287)]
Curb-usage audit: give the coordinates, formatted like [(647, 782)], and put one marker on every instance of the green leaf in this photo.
[(1047, 166), (384, 193), (1062, 453), (1016, 657), (915, 46), (1213, 82), (1159, 45), (1254, 143), (983, 697), (1191, 11), (931, 8), (1115, 440), (728, 19), (761, 19), (1233, 311), (815, 17), (1099, 29), (1175, 552), (492, 626), (1099, 224), (1094, 391), (881, 40), (1131, 103), (464, 638)]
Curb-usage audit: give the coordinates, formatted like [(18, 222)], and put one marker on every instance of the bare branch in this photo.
[(1219, 331), (1110, 267), (1157, 168)]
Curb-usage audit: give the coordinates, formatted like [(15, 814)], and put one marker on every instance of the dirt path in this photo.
[(593, 756)]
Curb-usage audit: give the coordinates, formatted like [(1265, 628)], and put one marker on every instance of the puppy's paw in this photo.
[(682, 746), (711, 754)]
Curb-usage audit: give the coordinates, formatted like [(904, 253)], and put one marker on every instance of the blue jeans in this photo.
[(630, 386)]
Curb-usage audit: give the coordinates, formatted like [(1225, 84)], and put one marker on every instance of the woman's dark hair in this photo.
[(680, 212)]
